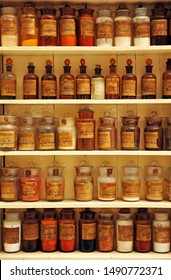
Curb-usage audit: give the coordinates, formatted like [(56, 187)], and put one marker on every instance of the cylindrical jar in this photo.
[(46, 134), (106, 183), (9, 184), (153, 133), (161, 232), (54, 183), (66, 134), (26, 134), (9, 27), (107, 133), (48, 27), (86, 27), (104, 28), (159, 25), (8, 133), (105, 232), (141, 27)]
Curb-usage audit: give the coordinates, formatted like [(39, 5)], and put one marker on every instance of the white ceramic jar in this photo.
[(161, 232), (12, 232)]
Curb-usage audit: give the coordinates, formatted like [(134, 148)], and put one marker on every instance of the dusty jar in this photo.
[(105, 232), (153, 133), (9, 27), (161, 232), (26, 134), (10, 184), (54, 183), (30, 184), (8, 133), (104, 28), (66, 134), (46, 134), (106, 183), (107, 133)]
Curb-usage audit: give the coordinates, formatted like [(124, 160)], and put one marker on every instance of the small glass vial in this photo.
[(83, 83), (54, 183), (161, 232), (166, 81), (30, 231), (159, 25), (143, 231), (168, 134), (107, 133), (29, 25), (131, 183), (67, 83), (98, 84), (26, 134), (148, 82), (124, 231), (85, 127), (12, 232), (67, 230), (141, 27), (86, 27), (67, 26), (49, 83), (46, 134), (105, 232), (153, 132), (48, 27), (8, 133), (66, 134), (8, 82), (9, 27), (122, 27), (87, 231), (112, 82), (129, 82), (130, 132), (48, 231), (154, 182), (106, 183), (83, 182), (30, 83), (104, 28)]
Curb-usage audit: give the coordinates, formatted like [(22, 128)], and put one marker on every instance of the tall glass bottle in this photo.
[(86, 27), (98, 84), (83, 82), (8, 82), (129, 82), (112, 82), (148, 82), (166, 81), (67, 83), (30, 83), (159, 25), (48, 27), (49, 83)]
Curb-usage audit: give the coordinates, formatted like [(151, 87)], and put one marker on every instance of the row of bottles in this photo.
[(31, 28), (45, 231), (26, 183)]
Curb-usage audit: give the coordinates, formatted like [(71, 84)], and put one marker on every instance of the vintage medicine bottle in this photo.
[(148, 82), (66, 134), (104, 28), (166, 81), (112, 82), (83, 83), (141, 27), (129, 82), (105, 232), (30, 83), (48, 27), (49, 83), (12, 232), (107, 133), (46, 133), (168, 134), (67, 83), (8, 133), (98, 84), (87, 231), (159, 25), (86, 27), (9, 27), (26, 134), (8, 82), (168, 192), (161, 232), (124, 231)]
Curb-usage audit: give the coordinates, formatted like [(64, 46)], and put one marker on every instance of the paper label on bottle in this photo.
[(46, 141), (125, 233), (30, 231), (166, 87), (159, 27), (27, 24), (49, 231), (8, 190), (9, 26), (67, 87), (141, 29), (122, 28), (48, 27), (131, 189), (129, 88), (29, 190), (83, 191), (29, 87), (105, 237), (148, 86), (112, 85), (8, 87), (65, 139), (54, 190), (85, 130), (151, 140), (83, 86), (11, 235), (88, 231), (67, 230), (7, 139), (97, 88), (104, 30), (161, 234), (127, 139), (26, 141), (107, 190), (143, 232), (154, 189), (49, 88), (104, 139), (67, 27), (87, 27)]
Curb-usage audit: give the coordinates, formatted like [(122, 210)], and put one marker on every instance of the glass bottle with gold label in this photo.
[(8, 133), (129, 82), (105, 232), (83, 83), (112, 82), (8, 82), (30, 83), (107, 133), (148, 82), (86, 27), (48, 27), (49, 83), (46, 133), (166, 81), (98, 84), (67, 83)]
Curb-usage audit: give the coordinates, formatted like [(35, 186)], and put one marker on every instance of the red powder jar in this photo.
[(86, 27)]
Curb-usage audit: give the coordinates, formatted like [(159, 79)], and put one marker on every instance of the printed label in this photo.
[(7, 190), (129, 88), (151, 139), (48, 27), (29, 190), (46, 141), (143, 232), (161, 234), (125, 233), (26, 140), (30, 231), (107, 190), (87, 28), (89, 231), (83, 86), (9, 26), (67, 87), (54, 191), (49, 88), (85, 130), (112, 85), (11, 235), (166, 87), (67, 27), (67, 230), (7, 139), (29, 87), (148, 86), (27, 25), (127, 139), (155, 189), (48, 232), (105, 237), (104, 139), (131, 189), (97, 88), (104, 30), (141, 29), (8, 87), (159, 27), (122, 28), (83, 191), (64, 139)]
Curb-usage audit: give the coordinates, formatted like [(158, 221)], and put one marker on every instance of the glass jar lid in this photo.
[(85, 112), (67, 10), (12, 216), (142, 214), (140, 11), (106, 215), (83, 168), (67, 214), (154, 119), (30, 214), (104, 13), (10, 171), (87, 214), (124, 214), (9, 11), (55, 169), (107, 120), (122, 10), (160, 216), (47, 120), (130, 118), (130, 168), (26, 121), (154, 169), (48, 11), (5, 119), (85, 11)]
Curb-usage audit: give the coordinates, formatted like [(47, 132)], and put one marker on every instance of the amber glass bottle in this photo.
[(48, 27), (166, 81), (67, 83), (86, 27), (83, 83), (8, 82), (49, 83), (30, 83), (112, 83), (148, 82), (129, 82)]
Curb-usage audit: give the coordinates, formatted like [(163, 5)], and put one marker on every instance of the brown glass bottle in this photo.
[(86, 27), (67, 83), (166, 81), (148, 82), (153, 133), (49, 83), (83, 83), (48, 27), (129, 82), (30, 83), (112, 83)]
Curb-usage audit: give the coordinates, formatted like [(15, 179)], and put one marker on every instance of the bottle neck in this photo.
[(67, 69), (9, 68), (98, 71), (112, 69), (149, 68), (31, 69), (168, 67), (129, 69), (48, 69)]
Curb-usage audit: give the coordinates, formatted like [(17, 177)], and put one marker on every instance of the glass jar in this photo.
[(54, 183), (86, 27), (141, 27), (97, 84), (131, 183), (46, 134), (154, 182), (85, 127), (8, 81), (106, 183), (105, 232), (48, 231), (26, 134), (112, 82), (87, 231), (166, 81), (107, 133), (30, 231), (153, 133), (83, 182), (83, 82), (124, 231), (168, 134), (161, 232), (104, 28), (66, 134), (30, 83), (48, 27), (143, 231), (12, 232), (148, 82), (67, 82), (8, 133), (67, 230), (9, 27)]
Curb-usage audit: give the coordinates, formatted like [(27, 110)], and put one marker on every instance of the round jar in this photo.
[(54, 183), (9, 27), (66, 134), (141, 27), (105, 232), (48, 27), (161, 232), (104, 28), (26, 134), (46, 134), (9, 184), (8, 133), (106, 183), (86, 27), (159, 25), (107, 133), (153, 133)]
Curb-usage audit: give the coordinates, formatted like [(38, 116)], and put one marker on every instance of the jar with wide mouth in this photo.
[(104, 28), (107, 133), (46, 134), (153, 132), (86, 27), (26, 134), (66, 134), (105, 231), (8, 133), (10, 183)]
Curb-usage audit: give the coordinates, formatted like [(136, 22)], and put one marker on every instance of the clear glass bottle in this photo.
[(9, 27), (107, 133), (49, 83), (8, 133), (30, 83), (26, 134), (168, 134), (141, 27), (104, 28), (48, 27), (66, 134), (148, 82), (8, 82), (166, 81), (86, 27), (112, 82), (67, 83), (161, 232), (46, 134), (105, 232), (98, 84), (129, 82), (83, 82)]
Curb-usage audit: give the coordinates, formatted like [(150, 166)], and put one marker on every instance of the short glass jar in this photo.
[(26, 134), (8, 133), (104, 28), (106, 183), (161, 232), (66, 134), (46, 134), (107, 133), (105, 232)]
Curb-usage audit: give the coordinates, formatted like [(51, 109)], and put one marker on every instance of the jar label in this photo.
[(154, 189), (49, 88), (87, 27), (7, 139), (83, 191), (89, 231), (26, 141), (104, 30), (112, 85), (11, 235), (159, 27), (143, 232), (128, 88), (67, 230), (151, 140), (54, 190), (29, 87), (48, 27), (48, 231), (161, 234), (28, 25), (67, 27), (65, 139), (127, 139), (141, 29), (83, 86), (104, 139), (166, 87), (105, 237), (8, 87), (30, 231), (131, 189), (148, 86), (107, 190), (85, 130), (67, 87), (97, 88), (9, 26), (46, 141), (122, 28), (8, 190), (125, 233), (29, 190)]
